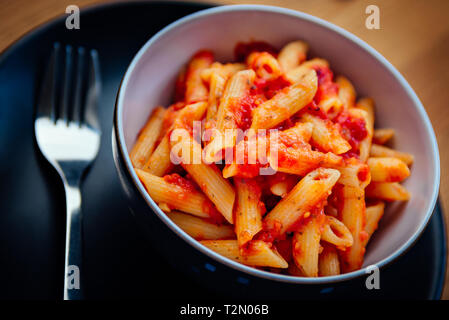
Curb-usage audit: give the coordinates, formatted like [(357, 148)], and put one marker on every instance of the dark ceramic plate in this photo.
[(118, 261)]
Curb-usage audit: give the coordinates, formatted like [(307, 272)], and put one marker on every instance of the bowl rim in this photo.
[(120, 139)]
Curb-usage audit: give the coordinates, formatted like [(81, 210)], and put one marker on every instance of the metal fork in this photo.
[(68, 135)]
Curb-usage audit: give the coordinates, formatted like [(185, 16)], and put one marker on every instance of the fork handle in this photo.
[(73, 244)]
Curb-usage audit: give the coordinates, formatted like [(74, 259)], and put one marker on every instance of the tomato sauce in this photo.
[(215, 216), (270, 234), (362, 175), (353, 130), (269, 87), (317, 212), (243, 49), (284, 248), (314, 110), (185, 184), (243, 109), (326, 86)]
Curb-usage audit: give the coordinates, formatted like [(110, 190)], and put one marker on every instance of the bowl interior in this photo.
[(150, 82)]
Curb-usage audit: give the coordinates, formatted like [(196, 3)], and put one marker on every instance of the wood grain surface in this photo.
[(414, 37)]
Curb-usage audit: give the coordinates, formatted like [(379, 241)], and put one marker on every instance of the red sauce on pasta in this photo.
[(269, 88), (185, 184), (284, 247), (243, 110), (353, 130), (326, 86), (214, 215)]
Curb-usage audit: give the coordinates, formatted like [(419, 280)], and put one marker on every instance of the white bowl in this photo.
[(150, 78)]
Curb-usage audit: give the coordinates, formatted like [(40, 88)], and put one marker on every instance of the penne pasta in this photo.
[(286, 103), (265, 65), (336, 233), (366, 116), (315, 63), (236, 88), (292, 55), (249, 210), (346, 92), (306, 248), (388, 191), (201, 229), (382, 136), (177, 193), (388, 169), (326, 135), (354, 173), (312, 189), (147, 139), (208, 177), (352, 214), (382, 151), (258, 254), (373, 215), (195, 89), (328, 263)]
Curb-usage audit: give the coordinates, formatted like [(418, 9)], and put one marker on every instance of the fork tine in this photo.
[(66, 85), (93, 91), (78, 94), (47, 98)]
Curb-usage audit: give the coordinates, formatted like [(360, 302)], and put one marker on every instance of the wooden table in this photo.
[(414, 37)]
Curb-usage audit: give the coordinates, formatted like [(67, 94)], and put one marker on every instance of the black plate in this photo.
[(119, 263)]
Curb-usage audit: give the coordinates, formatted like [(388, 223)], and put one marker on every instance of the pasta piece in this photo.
[(208, 177), (388, 191), (382, 151), (147, 139), (236, 88), (353, 216), (306, 248), (313, 188), (179, 196), (286, 103), (326, 135), (365, 144), (354, 173), (224, 70), (201, 229), (195, 89), (297, 74), (388, 169), (315, 63), (292, 55), (346, 92), (249, 210), (264, 64), (328, 264), (258, 254), (159, 163), (335, 232), (382, 136), (373, 215), (216, 88)]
